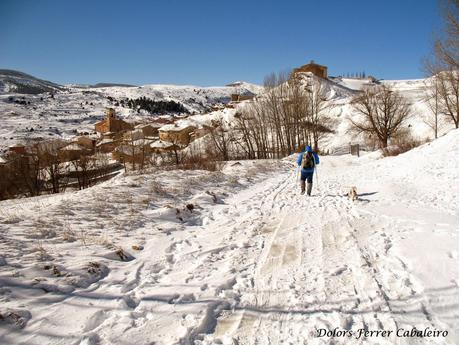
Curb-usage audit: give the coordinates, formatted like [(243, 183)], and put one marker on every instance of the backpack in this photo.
[(308, 161)]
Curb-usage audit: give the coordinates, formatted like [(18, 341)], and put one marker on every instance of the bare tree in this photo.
[(448, 100), (221, 138), (446, 48), (319, 117), (84, 170), (28, 172), (443, 66), (55, 170), (292, 111), (383, 113), (431, 98)]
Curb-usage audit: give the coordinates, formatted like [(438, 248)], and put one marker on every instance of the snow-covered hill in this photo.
[(18, 82), (354, 83), (196, 99), (75, 109), (413, 90)]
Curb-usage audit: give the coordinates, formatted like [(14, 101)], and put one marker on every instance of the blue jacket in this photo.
[(300, 159)]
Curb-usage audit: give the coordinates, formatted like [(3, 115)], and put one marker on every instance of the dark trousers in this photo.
[(307, 176)]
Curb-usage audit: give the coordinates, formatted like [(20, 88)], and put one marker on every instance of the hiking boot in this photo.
[(303, 187), (309, 189)]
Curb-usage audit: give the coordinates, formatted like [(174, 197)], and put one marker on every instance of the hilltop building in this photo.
[(316, 69)]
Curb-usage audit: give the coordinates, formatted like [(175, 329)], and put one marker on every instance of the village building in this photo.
[(72, 152), (163, 147), (113, 135), (107, 145), (135, 154), (86, 142), (236, 98), (218, 106), (149, 130), (316, 69), (18, 148), (111, 125), (133, 135), (49, 147), (180, 135)]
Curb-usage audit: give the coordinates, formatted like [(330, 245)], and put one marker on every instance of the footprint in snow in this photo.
[(92, 339), (128, 302)]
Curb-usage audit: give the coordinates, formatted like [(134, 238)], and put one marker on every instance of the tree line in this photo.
[(149, 105), (38, 172), (292, 112)]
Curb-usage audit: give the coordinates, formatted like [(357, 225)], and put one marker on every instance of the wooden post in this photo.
[(355, 150)]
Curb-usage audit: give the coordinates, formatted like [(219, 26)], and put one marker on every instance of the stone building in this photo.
[(111, 124), (239, 98), (180, 135), (86, 142), (316, 69), (18, 148), (149, 130), (163, 147), (73, 151), (107, 145), (133, 135), (137, 153)]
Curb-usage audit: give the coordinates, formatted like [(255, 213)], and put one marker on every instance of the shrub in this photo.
[(199, 162), (403, 142)]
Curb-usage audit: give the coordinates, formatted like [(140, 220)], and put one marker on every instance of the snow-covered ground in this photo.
[(238, 256), (76, 110)]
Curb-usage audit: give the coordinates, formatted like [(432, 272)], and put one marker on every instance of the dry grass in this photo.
[(41, 252), (9, 217), (402, 143), (233, 180), (199, 162), (68, 234), (42, 229), (156, 188)]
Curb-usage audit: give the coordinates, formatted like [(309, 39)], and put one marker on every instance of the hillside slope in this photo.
[(18, 82)]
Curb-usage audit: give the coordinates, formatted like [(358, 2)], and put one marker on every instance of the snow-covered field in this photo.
[(238, 256)]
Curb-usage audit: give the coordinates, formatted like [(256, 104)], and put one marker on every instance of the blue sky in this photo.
[(212, 42)]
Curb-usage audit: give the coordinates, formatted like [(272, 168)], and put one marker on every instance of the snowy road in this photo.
[(324, 265), (269, 266)]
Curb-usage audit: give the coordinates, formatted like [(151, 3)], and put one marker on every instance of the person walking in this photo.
[(307, 160)]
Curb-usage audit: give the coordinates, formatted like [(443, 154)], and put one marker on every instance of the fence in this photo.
[(353, 149)]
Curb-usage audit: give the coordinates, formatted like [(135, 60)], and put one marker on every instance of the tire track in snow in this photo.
[(338, 282)]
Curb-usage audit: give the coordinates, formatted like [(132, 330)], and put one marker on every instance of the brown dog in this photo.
[(353, 193)]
